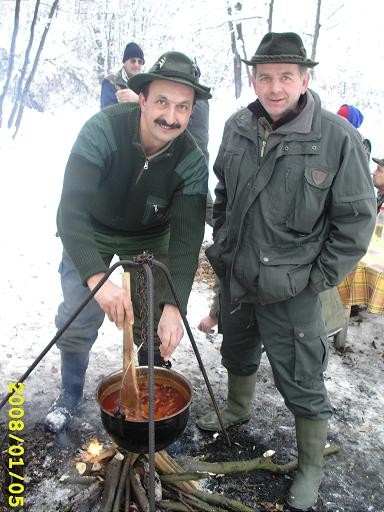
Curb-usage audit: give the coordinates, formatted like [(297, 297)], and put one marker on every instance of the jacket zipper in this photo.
[(263, 144), (145, 168)]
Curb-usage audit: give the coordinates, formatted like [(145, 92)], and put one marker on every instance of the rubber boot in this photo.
[(238, 408), (311, 437), (142, 357), (73, 368)]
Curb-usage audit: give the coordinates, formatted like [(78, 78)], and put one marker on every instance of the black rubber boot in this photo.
[(142, 357), (73, 368)]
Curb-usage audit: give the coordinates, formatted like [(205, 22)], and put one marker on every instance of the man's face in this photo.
[(378, 178), (133, 66), (279, 87), (165, 113)]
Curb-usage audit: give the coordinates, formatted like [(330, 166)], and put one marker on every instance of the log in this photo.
[(122, 484), (139, 491), (165, 464), (111, 481), (85, 499), (79, 480), (207, 469)]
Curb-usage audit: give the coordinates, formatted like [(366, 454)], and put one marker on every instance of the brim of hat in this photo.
[(280, 59), (137, 82), (379, 161)]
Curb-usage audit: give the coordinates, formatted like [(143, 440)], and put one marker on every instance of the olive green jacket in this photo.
[(294, 206)]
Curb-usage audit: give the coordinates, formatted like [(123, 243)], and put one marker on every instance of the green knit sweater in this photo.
[(115, 200)]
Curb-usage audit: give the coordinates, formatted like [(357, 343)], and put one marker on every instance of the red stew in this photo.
[(168, 401)]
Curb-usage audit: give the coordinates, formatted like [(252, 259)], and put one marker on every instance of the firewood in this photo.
[(79, 480), (122, 484), (111, 482), (167, 465), (139, 491), (206, 469), (85, 499)]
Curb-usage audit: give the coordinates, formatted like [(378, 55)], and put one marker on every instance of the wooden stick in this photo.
[(139, 491), (129, 394), (111, 482), (122, 484), (167, 465), (207, 469)]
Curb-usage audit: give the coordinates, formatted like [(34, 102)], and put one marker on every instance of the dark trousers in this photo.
[(294, 337)]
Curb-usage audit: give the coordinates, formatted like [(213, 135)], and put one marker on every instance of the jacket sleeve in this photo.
[(352, 216), (187, 227), (108, 94)]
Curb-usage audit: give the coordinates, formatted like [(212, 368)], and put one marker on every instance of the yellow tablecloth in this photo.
[(365, 284)]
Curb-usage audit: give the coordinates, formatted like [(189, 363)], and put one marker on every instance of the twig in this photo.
[(79, 480)]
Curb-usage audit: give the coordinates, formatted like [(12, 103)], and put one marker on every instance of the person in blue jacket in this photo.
[(114, 88)]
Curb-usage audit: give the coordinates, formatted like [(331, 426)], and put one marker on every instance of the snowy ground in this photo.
[(29, 282)]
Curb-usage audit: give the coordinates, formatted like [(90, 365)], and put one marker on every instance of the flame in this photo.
[(94, 448)]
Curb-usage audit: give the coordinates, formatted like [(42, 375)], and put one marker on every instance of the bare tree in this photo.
[(236, 56), (25, 65), (316, 33), (34, 67), (11, 58), (270, 15)]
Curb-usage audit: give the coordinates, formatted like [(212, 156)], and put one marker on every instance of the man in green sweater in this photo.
[(135, 181)]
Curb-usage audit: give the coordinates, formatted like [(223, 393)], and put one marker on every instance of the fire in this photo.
[(94, 448)]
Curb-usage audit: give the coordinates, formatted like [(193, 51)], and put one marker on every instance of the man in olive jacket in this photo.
[(135, 181), (294, 212)]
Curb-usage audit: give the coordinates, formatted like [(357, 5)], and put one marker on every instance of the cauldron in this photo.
[(132, 435)]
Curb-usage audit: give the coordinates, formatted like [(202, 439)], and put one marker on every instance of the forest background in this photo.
[(54, 54)]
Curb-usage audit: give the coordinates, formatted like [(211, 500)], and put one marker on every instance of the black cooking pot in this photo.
[(132, 435)]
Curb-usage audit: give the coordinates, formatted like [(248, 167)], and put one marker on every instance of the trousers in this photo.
[(295, 340)]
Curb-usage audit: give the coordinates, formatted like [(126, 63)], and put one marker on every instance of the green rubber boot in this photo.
[(238, 407), (311, 437)]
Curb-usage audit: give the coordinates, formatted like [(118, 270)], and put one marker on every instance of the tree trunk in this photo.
[(11, 58), (270, 15), (316, 34), (34, 67), (25, 65), (236, 56)]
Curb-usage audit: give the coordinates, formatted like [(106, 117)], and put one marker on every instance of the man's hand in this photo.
[(207, 324), (125, 95), (170, 330), (113, 300)]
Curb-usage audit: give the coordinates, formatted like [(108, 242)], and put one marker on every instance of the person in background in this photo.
[(294, 212), (378, 181), (355, 117), (114, 88), (135, 181)]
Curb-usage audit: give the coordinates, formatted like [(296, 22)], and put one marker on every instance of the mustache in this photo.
[(161, 122)]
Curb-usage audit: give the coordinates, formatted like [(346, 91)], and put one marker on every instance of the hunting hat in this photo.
[(176, 67), (379, 161), (284, 47)]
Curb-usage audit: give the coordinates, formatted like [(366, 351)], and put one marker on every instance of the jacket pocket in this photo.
[(156, 211), (311, 353), (283, 272), (309, 202)]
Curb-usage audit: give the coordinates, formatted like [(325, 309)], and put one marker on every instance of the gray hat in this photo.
[(284, 47), (379, 161), (176, 67)]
